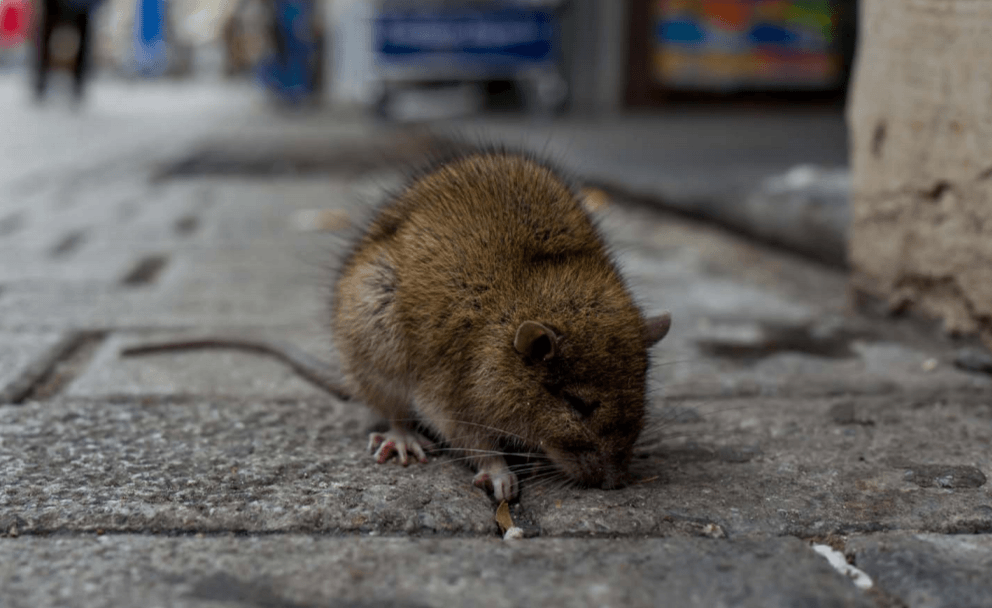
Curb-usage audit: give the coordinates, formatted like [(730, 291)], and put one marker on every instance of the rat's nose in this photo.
[(614, 478)]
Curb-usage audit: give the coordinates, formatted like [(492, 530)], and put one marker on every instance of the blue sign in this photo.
[(150, 49), (505, 36)]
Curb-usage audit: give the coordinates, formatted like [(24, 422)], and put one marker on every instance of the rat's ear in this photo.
[(535, 341), (594, 199), (656, 328)]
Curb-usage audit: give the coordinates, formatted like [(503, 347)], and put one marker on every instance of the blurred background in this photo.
[(733, 111), (410, 59)]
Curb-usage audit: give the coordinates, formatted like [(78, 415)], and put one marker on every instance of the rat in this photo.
[(482, 304)]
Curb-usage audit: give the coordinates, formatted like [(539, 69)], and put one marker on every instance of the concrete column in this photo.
[(920, 115)]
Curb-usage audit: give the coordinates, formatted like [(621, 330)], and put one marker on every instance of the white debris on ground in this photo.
[(839, 563), (804, 177)]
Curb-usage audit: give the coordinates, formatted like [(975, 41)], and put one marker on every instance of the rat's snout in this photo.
[(614, 477), (595, 472)]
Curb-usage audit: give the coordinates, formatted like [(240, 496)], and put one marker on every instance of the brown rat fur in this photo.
[(482, 302)]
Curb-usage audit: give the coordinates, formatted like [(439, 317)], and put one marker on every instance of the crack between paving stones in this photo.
[(55, 372), (882, 597), (146, 271), (189, 399), (184, 399), (915, 395), (68, 244), (337, 533), (185, 533)]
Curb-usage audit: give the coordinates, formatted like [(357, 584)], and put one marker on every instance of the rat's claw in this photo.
[(387, 449), (502, 483), (418, 450), (384, 445), (375, 440), (482, 481), (505, 486)]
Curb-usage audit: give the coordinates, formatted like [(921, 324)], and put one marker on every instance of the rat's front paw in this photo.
[(398, 442), (498, 480)]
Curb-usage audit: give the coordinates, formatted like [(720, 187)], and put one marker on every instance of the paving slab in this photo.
[(286, 264), (805, 467), (88, 265), (227, 300), (801, 467), (121, 129), (114, 214), (143, 466), (869, 368), (156, 215), (71, 306), (927, 570), (748, 320), (192, 303), (256, 210), (304, 571), (214, 372), (99, 207), (24, 357)]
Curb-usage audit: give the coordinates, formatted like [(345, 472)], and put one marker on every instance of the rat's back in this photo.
[(489, 212)]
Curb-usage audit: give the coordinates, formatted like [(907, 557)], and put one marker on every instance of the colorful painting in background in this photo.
[(728, 45)]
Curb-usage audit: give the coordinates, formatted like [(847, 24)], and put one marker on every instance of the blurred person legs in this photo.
[(43, 51), (287, 71), (82, 20), (56, 14)]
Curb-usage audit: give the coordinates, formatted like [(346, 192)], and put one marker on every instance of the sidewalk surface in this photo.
[(780, 420)]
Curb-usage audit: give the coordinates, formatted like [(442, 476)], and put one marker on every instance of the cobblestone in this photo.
[(114, 570), (24, 358), (928, 570)]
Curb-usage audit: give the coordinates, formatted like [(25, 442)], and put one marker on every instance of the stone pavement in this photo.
[(781, 420)]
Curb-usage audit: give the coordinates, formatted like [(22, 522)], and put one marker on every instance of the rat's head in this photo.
[(584, 391)]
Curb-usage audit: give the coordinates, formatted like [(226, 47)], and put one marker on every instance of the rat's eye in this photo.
[(583, 408)]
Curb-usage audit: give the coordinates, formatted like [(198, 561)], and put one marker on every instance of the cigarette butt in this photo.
[(503, 519)]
